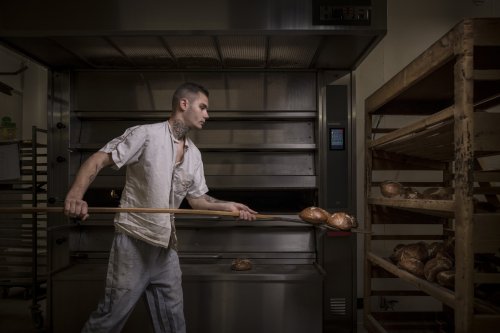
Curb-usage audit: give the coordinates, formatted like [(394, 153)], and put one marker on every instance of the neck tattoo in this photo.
[(179, 129)]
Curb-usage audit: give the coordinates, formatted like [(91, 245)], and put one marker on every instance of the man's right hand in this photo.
[(76, 208)]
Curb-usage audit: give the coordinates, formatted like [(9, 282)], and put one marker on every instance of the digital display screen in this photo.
[(337, 138)]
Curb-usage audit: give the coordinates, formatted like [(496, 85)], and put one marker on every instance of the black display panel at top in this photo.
[(342, 12)]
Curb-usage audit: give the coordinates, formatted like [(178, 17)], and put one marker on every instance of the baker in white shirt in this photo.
[(163, 167)]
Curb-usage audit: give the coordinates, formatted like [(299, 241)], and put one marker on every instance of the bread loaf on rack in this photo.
[(416, 250), (396, 253), (446, 279), (411, 265), (391, 189), (435, 265), (438, 193), (433, 248), (411, 193)]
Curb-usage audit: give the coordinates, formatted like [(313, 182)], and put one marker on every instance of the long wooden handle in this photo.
[(105, 210)]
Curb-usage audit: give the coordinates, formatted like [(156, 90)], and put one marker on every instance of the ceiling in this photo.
[(169, 35)]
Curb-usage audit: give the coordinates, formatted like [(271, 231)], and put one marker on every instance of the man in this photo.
[(163, 168)]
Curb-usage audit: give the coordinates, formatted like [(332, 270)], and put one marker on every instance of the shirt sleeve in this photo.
[(198, 186), (127, 148)]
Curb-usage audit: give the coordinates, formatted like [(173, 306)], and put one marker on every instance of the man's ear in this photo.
[(183, 103)]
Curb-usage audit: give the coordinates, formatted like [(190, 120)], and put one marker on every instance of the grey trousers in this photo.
[(136, 267)]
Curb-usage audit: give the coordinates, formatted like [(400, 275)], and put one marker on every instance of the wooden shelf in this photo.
[(432, 137), (383, 322), (421, 204), (442, 294), (452, 87), (426, 85)]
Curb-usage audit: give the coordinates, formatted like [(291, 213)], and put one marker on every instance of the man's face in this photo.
[(196, 112)]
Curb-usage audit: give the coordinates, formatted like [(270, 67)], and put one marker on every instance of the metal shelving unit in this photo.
[(23, 240)]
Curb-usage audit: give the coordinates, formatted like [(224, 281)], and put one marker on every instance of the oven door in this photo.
[(269, 298), (282, 292)]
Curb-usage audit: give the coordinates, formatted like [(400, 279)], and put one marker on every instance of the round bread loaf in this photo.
[(411, 193), (444, 255), (438, 193), (341, 221), (240, 264), (390, 189), (396, 253), (411, 265), (416, 250), (446, 279), (314, 215), (434, 248), (434, 266)]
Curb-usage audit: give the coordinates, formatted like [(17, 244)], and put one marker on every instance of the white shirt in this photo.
[(153, 180)]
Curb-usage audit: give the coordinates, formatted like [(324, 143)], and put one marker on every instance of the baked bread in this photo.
[(390, 189), (411, 193), (314, 215), (446, 279), (341, 221), (438, 193), (445, 255), (396, 253), (411, 265), (240, 264), (433, 249), (435, 265), (416, 250)]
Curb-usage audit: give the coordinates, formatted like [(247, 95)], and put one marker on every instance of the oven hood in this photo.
[(194, 34)]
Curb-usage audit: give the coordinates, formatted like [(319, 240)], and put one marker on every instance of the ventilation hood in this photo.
[(194, 34)]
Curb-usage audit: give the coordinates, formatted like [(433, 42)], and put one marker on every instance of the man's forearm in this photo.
[(207, 202), (87, 173)]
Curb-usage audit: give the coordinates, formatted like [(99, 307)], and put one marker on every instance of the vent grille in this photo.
[(338, 306), (243, 51), (144, 51), (194, 51), (292, 51)]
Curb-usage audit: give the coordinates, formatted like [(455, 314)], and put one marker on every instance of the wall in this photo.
[(412, 26), (27, 106)]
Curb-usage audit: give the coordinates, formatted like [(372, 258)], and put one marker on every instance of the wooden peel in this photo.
[(109, 210), (105, 210)]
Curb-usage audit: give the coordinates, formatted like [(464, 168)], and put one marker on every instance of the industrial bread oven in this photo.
[(279, 138)]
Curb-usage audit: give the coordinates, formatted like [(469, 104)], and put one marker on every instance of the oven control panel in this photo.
[(338, 175)]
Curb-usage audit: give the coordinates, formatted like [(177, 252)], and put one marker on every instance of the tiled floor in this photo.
[(15, 313)]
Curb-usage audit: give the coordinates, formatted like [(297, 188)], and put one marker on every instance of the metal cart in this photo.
[(23, 245)]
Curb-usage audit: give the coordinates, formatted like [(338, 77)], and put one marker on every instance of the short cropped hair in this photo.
[(186, 89)]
